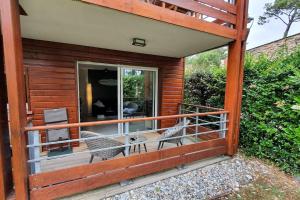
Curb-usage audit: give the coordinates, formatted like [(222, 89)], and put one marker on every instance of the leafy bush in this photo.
[(270, 123), (133, 86)]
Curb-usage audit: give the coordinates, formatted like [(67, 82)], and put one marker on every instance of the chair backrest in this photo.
[(98, 143), (56, 116), (176, 130)]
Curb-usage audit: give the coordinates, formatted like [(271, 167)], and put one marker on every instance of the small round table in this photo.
[(138, 139)]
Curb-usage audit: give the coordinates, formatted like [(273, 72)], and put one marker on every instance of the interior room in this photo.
[(98, 95)]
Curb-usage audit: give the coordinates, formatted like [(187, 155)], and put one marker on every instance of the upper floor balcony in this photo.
[(172, 28)]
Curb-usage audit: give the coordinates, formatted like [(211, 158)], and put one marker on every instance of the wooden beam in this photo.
[(5, 163), (244, 37), (151, 11), (234, 82), (13, 53)]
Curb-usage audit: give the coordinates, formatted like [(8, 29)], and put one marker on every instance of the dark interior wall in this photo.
[(102, 92), (108, 95), (52, 78), (5, 153)]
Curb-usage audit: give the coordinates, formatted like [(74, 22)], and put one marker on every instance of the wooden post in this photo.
[(235, 73), (13, 54), (5, 155)]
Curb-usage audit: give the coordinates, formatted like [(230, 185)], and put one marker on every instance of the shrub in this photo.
[(270, 121)]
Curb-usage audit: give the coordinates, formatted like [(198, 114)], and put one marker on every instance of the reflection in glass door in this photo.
[(138, 97)]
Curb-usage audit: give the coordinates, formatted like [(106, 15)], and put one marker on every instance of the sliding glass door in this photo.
[(108, 92), (138, 96)]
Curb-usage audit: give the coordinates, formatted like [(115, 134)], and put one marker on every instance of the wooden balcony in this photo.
[(201, 135), (212, 16)]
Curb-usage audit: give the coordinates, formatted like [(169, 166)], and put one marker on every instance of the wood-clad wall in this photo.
[(51, 76)]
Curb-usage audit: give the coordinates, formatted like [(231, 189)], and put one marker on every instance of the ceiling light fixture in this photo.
[(139, 42)]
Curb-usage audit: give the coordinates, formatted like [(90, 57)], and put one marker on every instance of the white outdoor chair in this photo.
[(171, 134)]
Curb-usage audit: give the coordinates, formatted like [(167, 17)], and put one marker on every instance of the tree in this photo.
[(287, 11), (205, 61)]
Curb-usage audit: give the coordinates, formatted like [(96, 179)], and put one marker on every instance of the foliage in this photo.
[(206, 87), (204, 61), (288, 11), (270, 124), (133, 86)]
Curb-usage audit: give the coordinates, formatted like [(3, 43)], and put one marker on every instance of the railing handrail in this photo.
[(96, 123)]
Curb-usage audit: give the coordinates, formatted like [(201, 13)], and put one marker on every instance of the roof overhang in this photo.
[(75, 22)]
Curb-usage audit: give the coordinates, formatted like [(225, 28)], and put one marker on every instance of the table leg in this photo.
[(145, 147)]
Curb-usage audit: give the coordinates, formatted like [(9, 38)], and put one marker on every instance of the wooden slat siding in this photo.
[(5, 153), (203, 9), (14, 68), (52, 76), (64, 175), (172, 88), (117, 175), (169, 16)]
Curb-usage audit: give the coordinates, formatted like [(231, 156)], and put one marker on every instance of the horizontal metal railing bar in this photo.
[(213, 116), (116, 136), (116, 147), (201, 106), (198, 119), (96, 123), (190, 111)]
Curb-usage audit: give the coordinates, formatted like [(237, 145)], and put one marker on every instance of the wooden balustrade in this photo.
[(68, 181), (222, 12)]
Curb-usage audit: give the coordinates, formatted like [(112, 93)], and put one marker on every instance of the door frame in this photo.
[(120, 67)]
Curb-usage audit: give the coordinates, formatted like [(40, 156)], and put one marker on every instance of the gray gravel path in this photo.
[(205, 183)]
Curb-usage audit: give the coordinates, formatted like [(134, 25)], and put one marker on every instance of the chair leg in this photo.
[(162, 145), (177, 144), (134, 148), (139, 148), (124, 152), (145, 147), (92, 158), (158, 145), (129, 148), (181, 143)]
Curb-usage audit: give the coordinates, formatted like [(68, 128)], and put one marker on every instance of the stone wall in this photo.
[(270, 49)]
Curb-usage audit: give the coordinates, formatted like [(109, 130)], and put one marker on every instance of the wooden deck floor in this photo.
[(83, 158)]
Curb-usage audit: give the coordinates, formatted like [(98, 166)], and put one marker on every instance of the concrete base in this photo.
[(115, 189)]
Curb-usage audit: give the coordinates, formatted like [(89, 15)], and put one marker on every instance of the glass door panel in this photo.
[(138, 97)]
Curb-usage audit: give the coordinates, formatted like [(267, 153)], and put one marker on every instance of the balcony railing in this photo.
[(215, 11), (201, 134)]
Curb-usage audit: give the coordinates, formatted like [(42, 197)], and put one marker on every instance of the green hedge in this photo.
[(270, 124)]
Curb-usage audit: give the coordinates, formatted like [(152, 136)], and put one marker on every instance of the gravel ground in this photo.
[(206, 183)]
